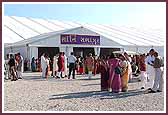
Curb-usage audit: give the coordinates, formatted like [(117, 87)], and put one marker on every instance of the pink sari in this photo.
[(114, 79)]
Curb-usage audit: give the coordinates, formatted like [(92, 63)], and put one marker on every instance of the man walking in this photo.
[(71, 60)]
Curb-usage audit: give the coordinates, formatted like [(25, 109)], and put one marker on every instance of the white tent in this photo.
[(22, 31)]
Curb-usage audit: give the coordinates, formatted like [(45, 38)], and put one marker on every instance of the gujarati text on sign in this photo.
[(80, 39)]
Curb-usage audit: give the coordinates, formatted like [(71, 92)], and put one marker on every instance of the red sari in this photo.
[(61, 62), (81, 69)]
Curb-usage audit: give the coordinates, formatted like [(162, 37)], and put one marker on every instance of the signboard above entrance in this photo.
[(80, 39)]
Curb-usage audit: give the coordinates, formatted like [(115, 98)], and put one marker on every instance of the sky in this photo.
[(134, 14)]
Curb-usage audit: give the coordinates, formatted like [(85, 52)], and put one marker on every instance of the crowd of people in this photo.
[(13, 67), (60, 64), (116, 70)]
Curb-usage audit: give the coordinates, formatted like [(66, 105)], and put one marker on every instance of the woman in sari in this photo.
[(129, 61), (81, 66), (98, 65), (90, 65), (77, 66), (55, 65), (48, 67), (85, 66), (114, 77), (104, 75), (60, 65), (143, 74), (33, 65), (95, 65), (125, 73)]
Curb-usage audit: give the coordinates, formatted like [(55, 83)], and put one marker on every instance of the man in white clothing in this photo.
[(158, 82), (43, 65), (150, 69)]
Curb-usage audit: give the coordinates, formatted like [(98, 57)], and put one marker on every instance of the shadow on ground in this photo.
[(91, 84), (100, 94), (52, 79)]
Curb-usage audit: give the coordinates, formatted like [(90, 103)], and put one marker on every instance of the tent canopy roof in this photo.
[(23, 30)]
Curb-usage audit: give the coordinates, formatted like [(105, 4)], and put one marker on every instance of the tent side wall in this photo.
[(145, 49), (22, 49), (107, 42), (160, 50)]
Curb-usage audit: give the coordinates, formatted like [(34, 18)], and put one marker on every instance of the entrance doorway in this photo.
[(83, 51), (108, 51), (51, 51)]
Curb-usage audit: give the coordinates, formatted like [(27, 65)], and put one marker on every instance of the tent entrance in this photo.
[(51, 51), (79, 51), (107, 51)]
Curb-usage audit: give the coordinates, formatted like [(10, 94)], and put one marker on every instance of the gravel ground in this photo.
[(33, 93)]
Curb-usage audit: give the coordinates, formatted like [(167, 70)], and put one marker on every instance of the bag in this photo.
[(118, 70)]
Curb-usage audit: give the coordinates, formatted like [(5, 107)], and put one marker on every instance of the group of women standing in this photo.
[(89, 65), (114, 73)]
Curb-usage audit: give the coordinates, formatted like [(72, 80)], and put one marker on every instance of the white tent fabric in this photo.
[(20, 28)]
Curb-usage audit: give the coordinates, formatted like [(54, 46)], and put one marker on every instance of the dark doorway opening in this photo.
[(79, 51), (51, 51), (108, 51)]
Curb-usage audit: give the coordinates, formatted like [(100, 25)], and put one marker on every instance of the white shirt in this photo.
[(43, 62), (72, 59), (149, 59)]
